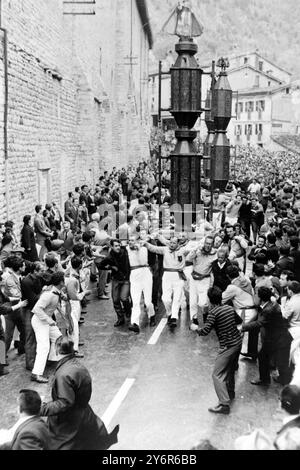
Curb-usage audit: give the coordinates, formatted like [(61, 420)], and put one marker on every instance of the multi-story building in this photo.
[(73, 96), (265, 101)]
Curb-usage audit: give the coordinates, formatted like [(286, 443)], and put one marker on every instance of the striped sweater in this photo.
[(222, 318)]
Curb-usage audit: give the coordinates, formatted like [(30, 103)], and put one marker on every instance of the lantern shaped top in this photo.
[(183, 22)]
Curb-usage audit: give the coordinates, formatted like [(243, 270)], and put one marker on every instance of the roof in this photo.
[(248, 66), (289, 141), (262, 57), (144, 14), (264, 91)]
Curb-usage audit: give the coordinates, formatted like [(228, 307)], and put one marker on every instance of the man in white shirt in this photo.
[(254, 187), (202, 277), (75, 295), (140, 282), (173, 278)]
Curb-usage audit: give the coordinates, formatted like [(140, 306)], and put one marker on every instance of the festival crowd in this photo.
[(236, 270)]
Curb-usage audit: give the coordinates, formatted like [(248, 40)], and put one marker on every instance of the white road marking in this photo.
[(158, 331), (117, 401)]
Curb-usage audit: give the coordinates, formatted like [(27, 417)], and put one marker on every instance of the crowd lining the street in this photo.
[(121, 235)]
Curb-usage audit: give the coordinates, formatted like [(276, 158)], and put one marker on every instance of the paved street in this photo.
[(170, 391)]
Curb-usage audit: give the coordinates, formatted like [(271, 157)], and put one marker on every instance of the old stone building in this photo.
[(73, 96)]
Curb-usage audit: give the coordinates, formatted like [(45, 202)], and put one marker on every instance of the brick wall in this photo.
[(74, 107)]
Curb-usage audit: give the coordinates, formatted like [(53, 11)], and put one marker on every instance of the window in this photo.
[(249, 106), (287, 91), (257, 81), (260, 66), (258, 129), (248, 129), (245, 60), (260, 105), (241, 107), (238, 130), (269, 83)]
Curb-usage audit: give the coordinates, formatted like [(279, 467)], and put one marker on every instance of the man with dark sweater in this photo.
[(31, 286), (117, 260), (219, 269), (223, 319)]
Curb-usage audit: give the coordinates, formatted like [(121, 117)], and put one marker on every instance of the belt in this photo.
[(139, 267), (248, 308), (169, 270)]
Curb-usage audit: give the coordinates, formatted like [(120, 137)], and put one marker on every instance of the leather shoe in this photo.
[(259, 382), (135, 328), (119, 323), (81, 343), (169, 319), (39, 379), (248, 357), (220, 409), (152, 321), (173, 323), (103, 297)]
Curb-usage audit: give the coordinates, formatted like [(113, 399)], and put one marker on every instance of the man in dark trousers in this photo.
[(219, 266), (72, 423), (223, 319), (31, 431), (275, 339), (117, 260), (31, 286)]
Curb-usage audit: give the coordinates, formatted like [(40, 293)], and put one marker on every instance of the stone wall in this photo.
[(74, 108)]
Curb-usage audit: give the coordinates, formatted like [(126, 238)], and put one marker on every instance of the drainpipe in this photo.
[(5, 64)]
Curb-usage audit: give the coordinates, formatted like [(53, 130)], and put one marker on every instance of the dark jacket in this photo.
[(28, 243), (220, 278), (119, 264), (72, 423), (33, 434), (31, 286), (245, 212), (255, 251), (272, 253), (297, 266), (273, 328), (284, 263)]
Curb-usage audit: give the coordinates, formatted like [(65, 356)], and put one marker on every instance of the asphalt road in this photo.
[(158, 393)]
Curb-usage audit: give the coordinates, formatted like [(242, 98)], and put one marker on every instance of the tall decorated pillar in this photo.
[(221, 109), (186, 77)]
